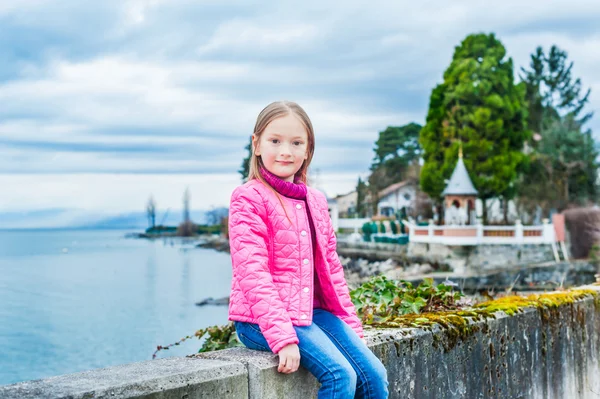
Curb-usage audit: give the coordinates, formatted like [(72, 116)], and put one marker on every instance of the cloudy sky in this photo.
[(104, 103)]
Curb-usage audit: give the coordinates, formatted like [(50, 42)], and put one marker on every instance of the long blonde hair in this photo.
[(271, 112)]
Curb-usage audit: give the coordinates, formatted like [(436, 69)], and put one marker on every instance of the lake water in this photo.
[(77, 300)]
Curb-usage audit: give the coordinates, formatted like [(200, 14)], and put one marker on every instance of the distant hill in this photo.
[(48, 218), (78, 218), (138, 220)]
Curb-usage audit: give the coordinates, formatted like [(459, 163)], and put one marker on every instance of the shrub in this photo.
[(219, 337), (381, 299), (186, 229), (583, 225), (377, 301)]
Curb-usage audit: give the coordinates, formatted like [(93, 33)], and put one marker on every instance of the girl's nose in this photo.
[(286, 150)]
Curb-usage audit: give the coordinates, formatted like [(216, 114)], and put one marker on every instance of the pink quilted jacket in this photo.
[(272, 259)]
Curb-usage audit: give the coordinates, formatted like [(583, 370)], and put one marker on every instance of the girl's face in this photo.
[(283, 146)]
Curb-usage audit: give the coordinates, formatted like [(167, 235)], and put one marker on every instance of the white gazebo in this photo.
[(460, 196)]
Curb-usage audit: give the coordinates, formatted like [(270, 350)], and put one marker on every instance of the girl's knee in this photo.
[(380, 371), (347, 375), (373, 379), (343, 378), (378, 380)]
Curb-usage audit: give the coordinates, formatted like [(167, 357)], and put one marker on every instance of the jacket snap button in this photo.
[(305, 261), (298, 206), (305, 289), (303, 233), (303, 317)]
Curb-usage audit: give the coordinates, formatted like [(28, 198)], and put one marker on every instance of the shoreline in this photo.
[(362, 261)]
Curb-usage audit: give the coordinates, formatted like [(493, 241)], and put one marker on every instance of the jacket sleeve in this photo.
[(341, 287), (248, 240)]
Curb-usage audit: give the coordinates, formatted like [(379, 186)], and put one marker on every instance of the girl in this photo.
[(288, 292)]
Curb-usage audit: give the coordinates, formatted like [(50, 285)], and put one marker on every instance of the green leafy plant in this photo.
[(377, 301), (381, 299), (219, 337)]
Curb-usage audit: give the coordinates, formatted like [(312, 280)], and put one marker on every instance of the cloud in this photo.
[(156, 89), (88, 191), (248, 36)]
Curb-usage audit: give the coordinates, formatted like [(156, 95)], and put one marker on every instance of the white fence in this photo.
[(479, 234), (352, 223)]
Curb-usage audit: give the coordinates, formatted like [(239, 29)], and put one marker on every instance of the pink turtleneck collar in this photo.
[(296, 190)]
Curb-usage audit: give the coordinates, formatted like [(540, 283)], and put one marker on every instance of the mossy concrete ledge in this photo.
[(540, 353), (170, 378), (548, 351)]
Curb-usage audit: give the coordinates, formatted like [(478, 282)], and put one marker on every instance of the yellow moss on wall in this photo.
[(514, 303), (460, 324)]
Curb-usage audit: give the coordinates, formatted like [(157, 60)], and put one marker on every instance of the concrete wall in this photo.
[(481, 257), (461, 259), (181, 378), (539, 277), (549, 354), (372, 251)]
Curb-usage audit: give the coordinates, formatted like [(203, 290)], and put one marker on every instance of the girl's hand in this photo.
[(364, 341), (289, 359)]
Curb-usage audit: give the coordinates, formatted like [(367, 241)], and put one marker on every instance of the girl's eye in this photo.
[(297, 142), (274, 141)]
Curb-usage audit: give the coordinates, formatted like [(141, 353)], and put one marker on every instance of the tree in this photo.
[(396, 150), (215, 216), (551, 92), (186, 205), (477, 105), (400, 143), (187, 228), (562, 170), (151, 212), (361, 193), (562, 166), (245, 168), (570, 153)]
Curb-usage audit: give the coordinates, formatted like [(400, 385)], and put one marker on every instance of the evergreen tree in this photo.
[(361, 193), (562, 170), (245, 168), (551, 91), (562, 166), (479, 105), (397, 151), (400, 143), (151, 212)]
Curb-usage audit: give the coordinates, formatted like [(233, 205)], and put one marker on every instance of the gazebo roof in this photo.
[(460, 183)]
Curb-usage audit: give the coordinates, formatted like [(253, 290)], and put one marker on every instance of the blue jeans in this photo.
[(334, 354)]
